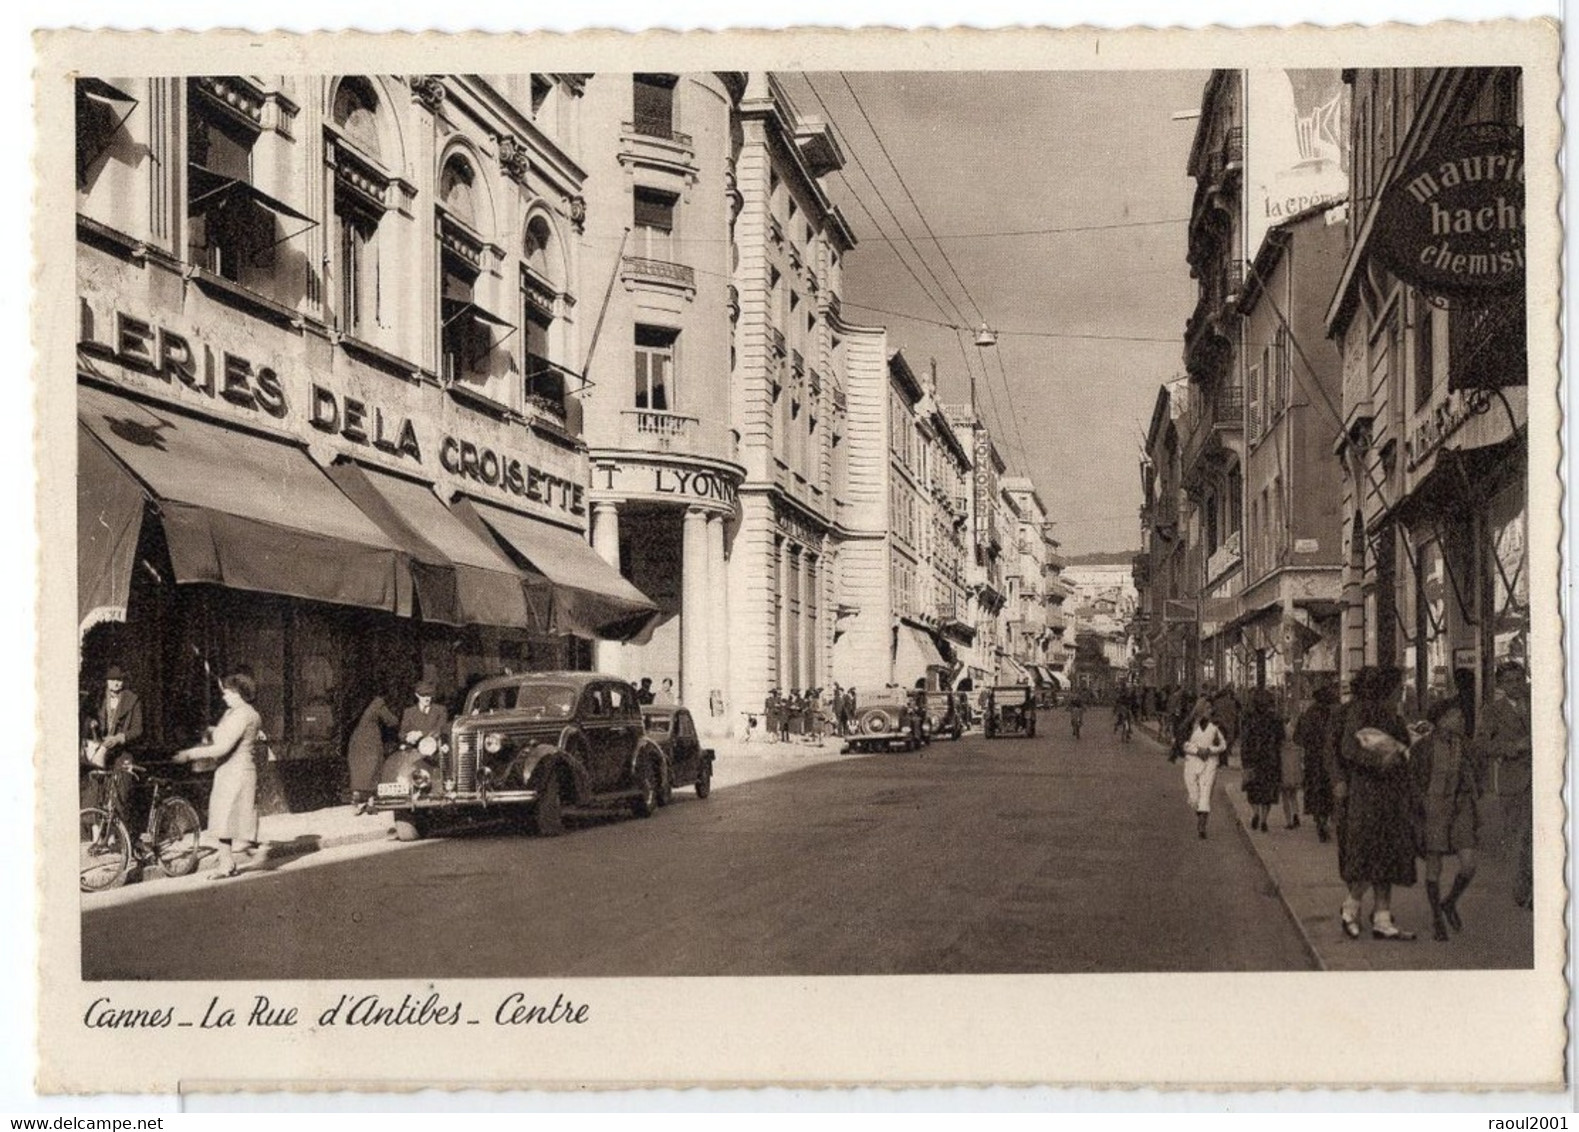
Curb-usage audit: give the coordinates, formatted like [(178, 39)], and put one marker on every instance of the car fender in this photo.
[(535, 762), (646, 748), (398, 766)]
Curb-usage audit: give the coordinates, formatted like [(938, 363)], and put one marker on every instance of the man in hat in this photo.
[(423, 719), (117, 724)]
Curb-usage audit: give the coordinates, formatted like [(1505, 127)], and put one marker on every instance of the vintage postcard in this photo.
[(830, 558)]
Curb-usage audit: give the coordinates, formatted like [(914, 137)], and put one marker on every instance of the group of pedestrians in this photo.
[(1398, 795), (808, 716)]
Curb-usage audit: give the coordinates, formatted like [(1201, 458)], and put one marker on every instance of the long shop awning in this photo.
[(238, 510), (571, 589), (461, 576)]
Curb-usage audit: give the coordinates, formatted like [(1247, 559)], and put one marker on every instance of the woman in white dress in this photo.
[(233, 805)]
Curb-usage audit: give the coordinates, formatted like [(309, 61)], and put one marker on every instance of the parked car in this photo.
[(530, 744), (686, 761), (1010, 710), (942, 713), (887, 718)]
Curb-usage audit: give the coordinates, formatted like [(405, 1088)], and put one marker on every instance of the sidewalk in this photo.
[(1304, 872), (285, 836)]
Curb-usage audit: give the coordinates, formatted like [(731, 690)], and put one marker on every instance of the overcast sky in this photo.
[(1021, 152)]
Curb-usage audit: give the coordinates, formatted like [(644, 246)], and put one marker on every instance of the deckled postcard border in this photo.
[(1502, 1029)]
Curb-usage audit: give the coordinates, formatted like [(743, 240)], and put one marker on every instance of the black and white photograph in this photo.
[(1085, 524)]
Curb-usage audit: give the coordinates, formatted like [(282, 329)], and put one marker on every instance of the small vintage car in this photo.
[(942, 713), (530, 744), (1010, 709), (885, 719), (686, 761)]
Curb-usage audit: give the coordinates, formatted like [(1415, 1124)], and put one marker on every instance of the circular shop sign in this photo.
[(1453, 223)]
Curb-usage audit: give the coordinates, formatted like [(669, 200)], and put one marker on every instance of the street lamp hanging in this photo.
[(985, 336)]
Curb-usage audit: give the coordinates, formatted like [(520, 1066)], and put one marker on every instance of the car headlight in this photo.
[(427, 746), (421, 779), (493, 742)]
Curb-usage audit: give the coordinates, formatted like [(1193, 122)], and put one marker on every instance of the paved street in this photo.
[(1044, 855)]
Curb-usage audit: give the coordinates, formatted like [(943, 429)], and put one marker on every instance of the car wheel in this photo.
[(704, 778), (645, 804), (547, 818), (410, 826)]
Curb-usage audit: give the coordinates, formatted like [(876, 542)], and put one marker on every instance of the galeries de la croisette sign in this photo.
[(242, 386)]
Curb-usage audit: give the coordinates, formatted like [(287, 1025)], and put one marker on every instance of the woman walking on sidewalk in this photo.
[(1261, 752), (1447, 774), (1201, 752), (1376, 835), (1313, 736)]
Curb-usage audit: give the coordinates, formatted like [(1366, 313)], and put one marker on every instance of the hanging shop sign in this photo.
[(1453, 223)]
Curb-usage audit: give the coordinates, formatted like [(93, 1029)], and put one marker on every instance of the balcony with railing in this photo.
[(776, 340), (1230, 284), (658, 273), (1233, 151), (658, 430), (1228, 406), (797, 363)]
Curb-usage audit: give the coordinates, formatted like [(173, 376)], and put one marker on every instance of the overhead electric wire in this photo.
[(910, 242), (1175, 340), (1014, 416), (900, 177), (883, 200)]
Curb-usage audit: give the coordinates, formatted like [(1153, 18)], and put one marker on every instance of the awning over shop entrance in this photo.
[(915, 653), (462, 577), (244, 511), (579, 594)]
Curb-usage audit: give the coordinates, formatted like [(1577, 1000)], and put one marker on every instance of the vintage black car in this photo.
[(942, 713), (888, 718), (529, 745), (1010, 709), (686, 761)]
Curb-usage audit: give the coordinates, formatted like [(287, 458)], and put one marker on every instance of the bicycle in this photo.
[(107, 849)]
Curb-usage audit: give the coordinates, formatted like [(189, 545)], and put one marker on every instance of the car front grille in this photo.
[(463, 763)]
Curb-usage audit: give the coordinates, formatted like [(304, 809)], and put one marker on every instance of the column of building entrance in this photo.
[(716, 609), (694, 613), (609, 656)]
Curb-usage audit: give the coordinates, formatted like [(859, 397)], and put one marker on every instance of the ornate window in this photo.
[(469, 331), (361, 187), (235, 229)]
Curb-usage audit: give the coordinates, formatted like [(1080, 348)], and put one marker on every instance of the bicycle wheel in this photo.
[(105, 856), (177, 836)]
